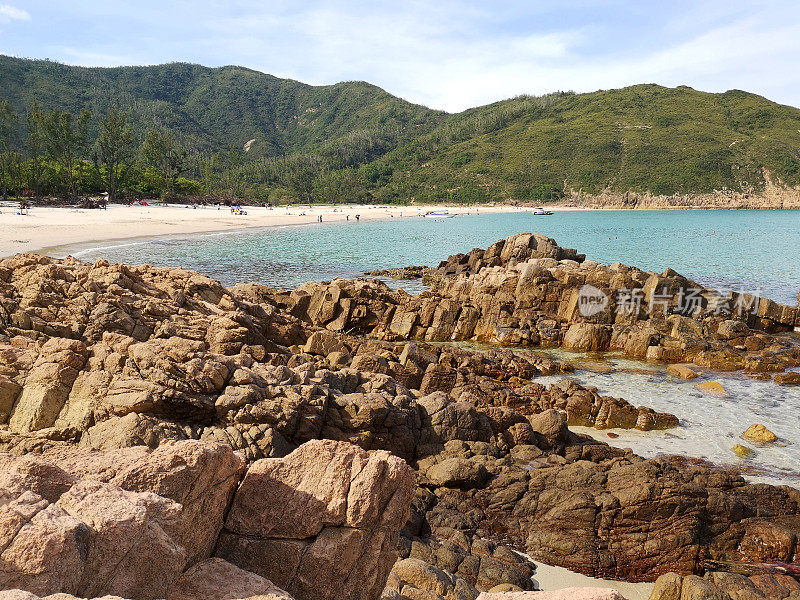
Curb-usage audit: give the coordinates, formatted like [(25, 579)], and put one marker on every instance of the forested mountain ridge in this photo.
[(354, 142), (214, 108)]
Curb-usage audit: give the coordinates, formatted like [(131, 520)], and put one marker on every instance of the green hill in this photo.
[(641, 138), (355, 142), (214, 108)]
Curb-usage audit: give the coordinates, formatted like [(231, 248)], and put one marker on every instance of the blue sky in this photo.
[(446, 54)]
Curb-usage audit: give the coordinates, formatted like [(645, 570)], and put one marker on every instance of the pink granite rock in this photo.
[(216, 579), (321, 522)]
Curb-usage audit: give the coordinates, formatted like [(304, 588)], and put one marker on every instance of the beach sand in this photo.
[(46, 228), (557, 578)]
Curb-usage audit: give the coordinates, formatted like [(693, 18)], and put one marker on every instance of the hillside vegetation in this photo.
[(354, 142)]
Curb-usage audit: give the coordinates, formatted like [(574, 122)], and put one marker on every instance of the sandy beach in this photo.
[(49, 228), (549, 578)]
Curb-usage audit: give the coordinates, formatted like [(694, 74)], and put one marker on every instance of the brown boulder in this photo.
[(216, 579), (760, 434), (587, 337), (458, 473), (682, 371), (321, 522), (323, 343), (667, 587), (789, 378)]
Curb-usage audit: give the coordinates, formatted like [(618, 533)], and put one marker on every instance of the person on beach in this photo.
[(358, 217)]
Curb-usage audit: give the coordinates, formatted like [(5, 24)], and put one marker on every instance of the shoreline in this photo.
[(46, 229)]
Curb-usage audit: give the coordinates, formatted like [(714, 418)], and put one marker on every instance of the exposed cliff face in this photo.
[(101, 357), (773, 195)]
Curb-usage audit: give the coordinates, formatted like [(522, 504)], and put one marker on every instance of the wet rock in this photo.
[(760, 434), (790, 378), (587, 337), (743, 451), (712, 387), (682, 371)]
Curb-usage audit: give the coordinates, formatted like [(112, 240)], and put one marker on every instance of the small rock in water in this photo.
[(595, 367), (760, 376), (790, 378), (712, 387), (759, 433), (743, 451), (681, 371)]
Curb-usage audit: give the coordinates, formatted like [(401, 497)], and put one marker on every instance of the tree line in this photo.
[(70, 157), (56, 157), (74, 156)]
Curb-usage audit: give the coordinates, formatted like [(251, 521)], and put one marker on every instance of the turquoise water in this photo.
[(750, 250)]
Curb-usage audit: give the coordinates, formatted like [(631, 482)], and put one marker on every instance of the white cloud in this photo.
[(423, 52), (450, 54), (10, 13)]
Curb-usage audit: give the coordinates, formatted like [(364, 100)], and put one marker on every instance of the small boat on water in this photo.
[(542, 211), (437, 213)]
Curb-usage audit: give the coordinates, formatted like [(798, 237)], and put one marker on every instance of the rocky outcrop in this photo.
[(773, 195), (143, 524), (322, 522), (726, 586), (528, 291), (165, 373), (234, 367), (606, 513)]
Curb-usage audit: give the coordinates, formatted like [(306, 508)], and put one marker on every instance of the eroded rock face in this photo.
[(321, 522), (608, 514), (125, 524), (142, 524), (527, 291), (146, 361)]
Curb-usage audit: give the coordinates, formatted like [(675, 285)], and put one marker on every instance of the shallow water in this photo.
[(710, 425), (748, 250)]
